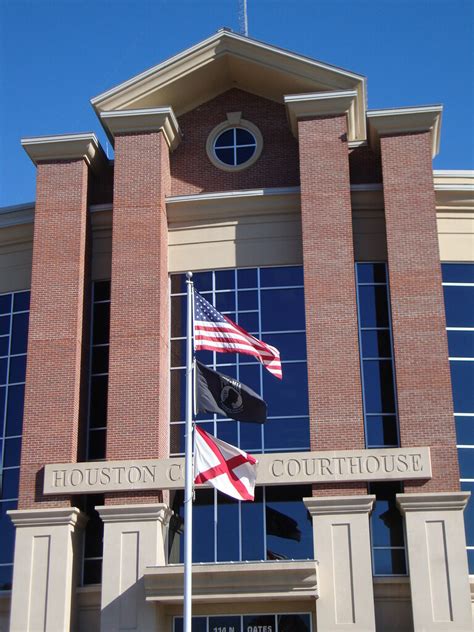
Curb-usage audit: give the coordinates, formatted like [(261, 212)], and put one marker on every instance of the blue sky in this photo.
[(55, 55)]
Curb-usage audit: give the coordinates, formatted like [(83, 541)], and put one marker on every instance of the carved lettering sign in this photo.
[(285, 468)]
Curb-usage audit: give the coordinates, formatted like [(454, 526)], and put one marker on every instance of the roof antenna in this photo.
[(243, 18)]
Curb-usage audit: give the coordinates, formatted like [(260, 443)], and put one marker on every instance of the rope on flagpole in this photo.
[(188, 469)]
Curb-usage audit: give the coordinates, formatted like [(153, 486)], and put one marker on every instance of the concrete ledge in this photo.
[(131, 513), (47, 517), (65, 147), (434, 501), (252, 581), (143, 120), (330, 505)]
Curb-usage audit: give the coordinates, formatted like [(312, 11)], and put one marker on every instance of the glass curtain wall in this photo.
[(380, 412), (14, 316), (269, 303), (458, 286), (97, 424)]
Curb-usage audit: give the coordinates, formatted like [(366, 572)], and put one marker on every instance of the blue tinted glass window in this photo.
[(12, 372), (466, 462), (19, 333), (378, 386), (21, 301), (373, 307), (282, 309), (278, 517), (279, 309), (17, 370), (15, 402), (459, 304), (5, 303), (199, 624), (4, 345), (382, 431), (461, 344), (469, 513), (235, 146), (462, 379), (464, 430), (4, 325), (278, 277), (371, 273), (458, 272), (388, 538)]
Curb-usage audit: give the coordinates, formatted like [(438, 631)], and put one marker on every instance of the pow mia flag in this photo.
[(217, 393)]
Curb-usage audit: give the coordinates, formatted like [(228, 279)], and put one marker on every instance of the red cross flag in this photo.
[(225, 467)]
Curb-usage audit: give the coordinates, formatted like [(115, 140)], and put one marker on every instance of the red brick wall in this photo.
[(335, 393), (418, 318), (138, 415), (53, 399), (191, 170)]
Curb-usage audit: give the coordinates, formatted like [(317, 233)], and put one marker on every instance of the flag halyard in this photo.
[(214, 331)]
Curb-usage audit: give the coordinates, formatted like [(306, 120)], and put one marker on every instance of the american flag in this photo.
[(215, 332)]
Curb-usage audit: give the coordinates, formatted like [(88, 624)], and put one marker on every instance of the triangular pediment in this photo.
[(223, 61)]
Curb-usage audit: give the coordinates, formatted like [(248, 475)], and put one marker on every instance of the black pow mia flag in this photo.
[(217, 393)]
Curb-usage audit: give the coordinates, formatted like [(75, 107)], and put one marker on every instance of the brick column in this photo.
[(418, 318), (334, 381), (138, 400), (54, 392)]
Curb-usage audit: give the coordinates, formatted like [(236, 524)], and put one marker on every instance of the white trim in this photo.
[(453, 173), (222, 195), (143, 120), (222, 35), (64, 147)]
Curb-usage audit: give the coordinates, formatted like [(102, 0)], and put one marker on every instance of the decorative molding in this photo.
[(330, 505), (143, 120), (315, 104), (65, 147), (405, 120), (433, 501), (234, 119), (222, 61), (240, 581), (135, 513), (48, 517)]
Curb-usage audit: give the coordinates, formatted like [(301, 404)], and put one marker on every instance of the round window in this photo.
[(234, 145)]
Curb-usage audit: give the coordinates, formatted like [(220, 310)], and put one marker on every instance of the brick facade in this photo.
[(334, 382), (418, 317), (57, 348), (138, 401), (191, 170)]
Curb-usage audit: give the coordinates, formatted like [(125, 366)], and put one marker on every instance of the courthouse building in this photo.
[(318, 225)]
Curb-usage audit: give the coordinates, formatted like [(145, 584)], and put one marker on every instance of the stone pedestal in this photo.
[(47, 545), (437, 559), (134, 538), (342, 547)]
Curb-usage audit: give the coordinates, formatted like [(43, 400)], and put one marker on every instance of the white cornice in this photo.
[(320, 506), (48, 517), (223, 195), (64, 147), (226, 46), (454, 173), (158, 512), (403, 120), (143, 120), (433, 501), (300, 106)]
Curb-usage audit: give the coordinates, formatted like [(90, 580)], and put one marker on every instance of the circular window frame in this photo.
[(232, 124)]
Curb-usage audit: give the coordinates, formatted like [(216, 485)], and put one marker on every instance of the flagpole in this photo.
[(188, 470)]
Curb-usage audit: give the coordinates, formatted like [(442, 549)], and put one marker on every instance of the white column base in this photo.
[(342, 548), (134, 538), (437, 559), (46, 546)]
